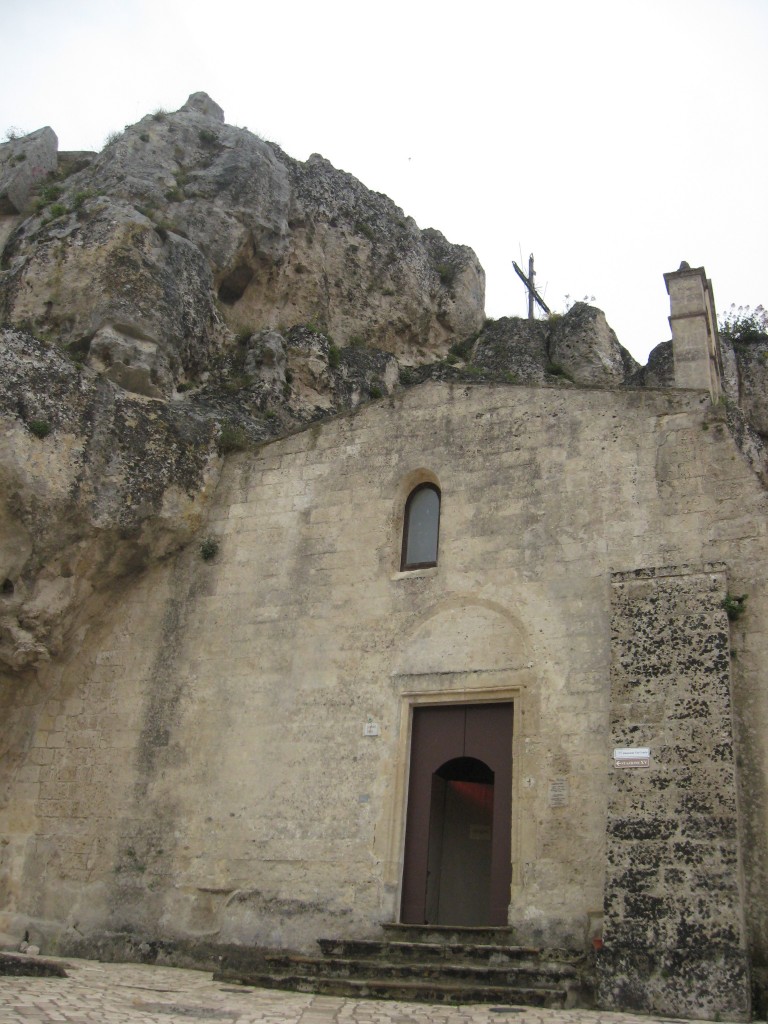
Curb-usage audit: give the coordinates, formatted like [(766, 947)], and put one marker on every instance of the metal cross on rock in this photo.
[(528, 282)]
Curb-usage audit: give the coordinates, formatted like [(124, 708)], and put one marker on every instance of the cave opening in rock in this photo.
[(234, 284)]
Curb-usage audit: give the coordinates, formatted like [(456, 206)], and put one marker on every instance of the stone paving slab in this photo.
[(100, 993)]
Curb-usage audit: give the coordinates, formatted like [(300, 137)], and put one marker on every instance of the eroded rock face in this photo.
[(582, 343), (185, 230), (578, 347), (94, 483), (750, 386), (660, 369), (266, 358), (24, 163)]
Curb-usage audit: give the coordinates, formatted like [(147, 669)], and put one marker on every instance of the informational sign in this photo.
[(559, 794), (632, 757), (371, 729)]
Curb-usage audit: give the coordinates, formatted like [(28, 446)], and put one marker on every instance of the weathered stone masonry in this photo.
[(675, 938), (199, 767)]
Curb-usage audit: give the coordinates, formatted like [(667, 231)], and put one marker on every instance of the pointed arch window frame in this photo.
[(405, 565)]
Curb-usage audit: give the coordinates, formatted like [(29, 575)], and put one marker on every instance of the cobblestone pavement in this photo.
[(96, 993)]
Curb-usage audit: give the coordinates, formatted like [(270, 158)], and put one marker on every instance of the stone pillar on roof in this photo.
[(695, 343)]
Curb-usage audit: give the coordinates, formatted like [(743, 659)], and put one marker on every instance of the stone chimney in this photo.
[(695, 344)]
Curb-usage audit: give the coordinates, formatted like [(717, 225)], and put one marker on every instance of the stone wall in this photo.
[(196, 766), (674, 928)]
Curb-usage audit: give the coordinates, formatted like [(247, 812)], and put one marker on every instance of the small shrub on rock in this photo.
[(361, 228), (209, 549), (743, 323), (40, 428), (446, 273), (233, 439), (734, 605), (463, 349), (556, 370)]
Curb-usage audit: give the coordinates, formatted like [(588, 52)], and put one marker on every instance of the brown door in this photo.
[(457, 865)]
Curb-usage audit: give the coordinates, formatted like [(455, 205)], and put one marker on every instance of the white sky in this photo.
[(612, 140)]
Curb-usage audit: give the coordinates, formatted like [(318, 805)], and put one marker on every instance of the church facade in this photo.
[(474, 654)]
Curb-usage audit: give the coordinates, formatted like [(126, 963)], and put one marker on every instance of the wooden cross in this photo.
[(528, 282)]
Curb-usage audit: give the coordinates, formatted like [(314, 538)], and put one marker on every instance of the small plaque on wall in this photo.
[(632, 757), (559, 793)]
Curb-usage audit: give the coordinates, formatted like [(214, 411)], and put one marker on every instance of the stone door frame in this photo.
[(491, 687)]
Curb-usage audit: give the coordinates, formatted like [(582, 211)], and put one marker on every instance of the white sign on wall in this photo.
[(559, 794), (632, 757)]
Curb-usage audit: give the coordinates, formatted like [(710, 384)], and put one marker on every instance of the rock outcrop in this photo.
[(750, 360), (95, 483), (25, 162), (578, 347), (185, 230)]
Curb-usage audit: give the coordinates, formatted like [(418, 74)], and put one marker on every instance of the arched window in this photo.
[(421, 528)]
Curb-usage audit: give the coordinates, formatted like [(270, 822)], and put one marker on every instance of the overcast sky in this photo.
[(612, 140)]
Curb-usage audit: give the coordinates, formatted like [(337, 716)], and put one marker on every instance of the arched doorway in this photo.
[(457, 865), (459, 846)]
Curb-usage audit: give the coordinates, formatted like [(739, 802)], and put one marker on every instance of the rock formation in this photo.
[(184, 229)]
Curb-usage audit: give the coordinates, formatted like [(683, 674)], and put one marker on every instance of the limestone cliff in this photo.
[(185, 229)]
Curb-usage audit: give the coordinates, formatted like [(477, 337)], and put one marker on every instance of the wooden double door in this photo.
[(457, 864)]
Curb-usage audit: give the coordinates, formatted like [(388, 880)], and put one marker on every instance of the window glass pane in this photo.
[(423, 523)]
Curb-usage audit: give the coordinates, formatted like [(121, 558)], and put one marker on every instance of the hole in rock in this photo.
[(80, 348), (234, 284)]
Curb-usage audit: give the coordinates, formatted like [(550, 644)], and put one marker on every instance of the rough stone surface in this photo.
[(95, 484), (184, 231), (751, 366), (514, 346), (201, 103), (674, 916), (578, 347), (659, 372), (24, 163), (583, 344), (29, 966), (231, 680)]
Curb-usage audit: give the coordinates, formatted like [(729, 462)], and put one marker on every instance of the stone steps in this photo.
[(531, 973), (476, 935), (420, 964), (423, 991), (439, 952)]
